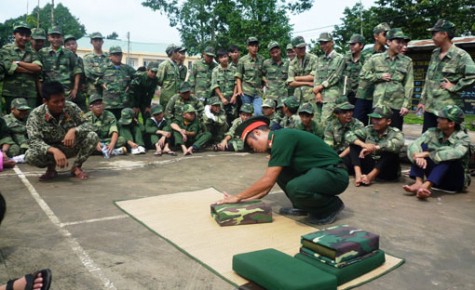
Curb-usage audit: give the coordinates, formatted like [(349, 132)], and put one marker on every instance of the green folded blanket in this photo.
[(243, 213)]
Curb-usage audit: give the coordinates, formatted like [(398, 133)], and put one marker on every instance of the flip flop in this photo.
[(79, 173), (30, 279)]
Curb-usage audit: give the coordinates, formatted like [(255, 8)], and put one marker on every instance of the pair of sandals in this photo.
[(30, 280)]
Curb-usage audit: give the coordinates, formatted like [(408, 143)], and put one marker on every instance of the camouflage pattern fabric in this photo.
[(104, 126), (232, 130), (351, 70), (223, 78), (200, 79), (365, 89), (250, 70), (193, 127), (18, 134), (306, 66), (396, 93), (322, 259), (243, 213), (335, 131), (341, 243), (458, 67), (216, 124), (151, 127), (276, 75), (142, 89), (174, 108), (94, 66), (117, 81), (5, 136), (290, 122), (80, 99), (314, 128), (392, 139), (182, 72), (168, 79), (457, 146), (45, 131), (132, 132)]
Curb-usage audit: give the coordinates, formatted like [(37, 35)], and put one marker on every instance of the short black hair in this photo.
[(51, 88), (22, 30), (233, 48), (293, 110), (221, 52)]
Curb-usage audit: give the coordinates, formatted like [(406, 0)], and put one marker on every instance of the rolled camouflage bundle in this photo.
[(243, 213)]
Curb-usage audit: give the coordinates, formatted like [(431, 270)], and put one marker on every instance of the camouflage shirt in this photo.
[(200, 79), (44, 130), (104, 125), (168, 79), (249, 71), (174, 107), (182, 72), (351, 70), (335, 131), (142, 89), (60, 65), (223, 78), (151, 125), (94, 65), (276, 75), (5, 134), (455, 147), (328, 74), (117, 80), (17, 129), (215, 123), (298, 68), (17, 84), (313, 128), (290, 122), (396, 93), (232, 130), (458, 67), (365, 88), (391, 140)]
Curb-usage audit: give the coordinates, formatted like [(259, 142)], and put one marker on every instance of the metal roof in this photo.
[(84, 43)]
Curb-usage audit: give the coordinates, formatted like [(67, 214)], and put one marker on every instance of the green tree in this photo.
[(113, 35)]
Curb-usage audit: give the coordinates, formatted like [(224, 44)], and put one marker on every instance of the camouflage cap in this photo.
[(153, 66), (396, 33), (94, 98), (306, 108), (157, 109), (184, 87), (20, 26), (452, 113), (247, 108), (345, 106), (268, 103), (290, 46), (182, 49), (249, 125), (273, 44), (126, 116), (382, 27), (252, 39), (381, 112), (38, 34), (69, 37), (214, 101), (96, 35), (20, 104), (209, 51), (442, 25), (115, 49), (324, 37), (171, 49), (188, 108), (55, 30), (279, 104), (291, 102), (298, 42), (357, 38)]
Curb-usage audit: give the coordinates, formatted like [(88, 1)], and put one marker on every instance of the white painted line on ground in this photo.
[(94, 220), (75, 246)]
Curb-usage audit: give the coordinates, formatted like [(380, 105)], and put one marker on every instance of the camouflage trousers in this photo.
[(84, 146), (16, 149)]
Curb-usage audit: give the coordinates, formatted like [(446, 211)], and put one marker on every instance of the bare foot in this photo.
[(357, 181), (365, 180), (49, 175), (423, 193), (412, 188), (79, 173), (189, 151)]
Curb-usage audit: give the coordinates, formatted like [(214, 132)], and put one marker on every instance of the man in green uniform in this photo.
[(291, 119), (95, 63), (391, 74), (375, 149), (57, 130), (276, 72), (157, 132), (132, 131), (364, 94), (234, 55), (450, 71), (268, 110), (21, 67), (231, 142), (249, 78), (214, 120), (354, 61), (223, 84), (200, 76), (16, 123), (80, 100), (38, 38), (168, 75), (308, 171), (115, 82), (182, 68), (307, 122), (175, 106), (142, 89), (60, 64), (441, 154), (327, 81), (302, 71)]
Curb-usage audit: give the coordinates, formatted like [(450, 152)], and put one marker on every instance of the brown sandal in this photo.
[(79, 173)]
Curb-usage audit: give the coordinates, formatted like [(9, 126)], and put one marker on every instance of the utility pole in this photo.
[(38, 15), (52, 12), (361, 18), (128, 48)]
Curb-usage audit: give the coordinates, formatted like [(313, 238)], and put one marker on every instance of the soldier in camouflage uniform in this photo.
[(450, 71), (182, 68), (200, 76), (80, 100), (290, 53), (327, 81), (115, 82), (353, 63), (104, 124), (234, 55), (231, 142), (57, 130), (291, 119), (95, 63), (132, 131), (175, 106), (21, 67), (223, 84), (60, 64), (276, 72), (215, 120), (374, 150), (307, 122), (302, 71), (268, 110), (142, 89), (16, 123), (364, 94), (6, 141), (441, 155), (157, 132), (38, 38), (249, 78), (168, 75), (391, 74)]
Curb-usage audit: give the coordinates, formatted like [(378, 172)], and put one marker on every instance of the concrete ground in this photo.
[(74, 228)]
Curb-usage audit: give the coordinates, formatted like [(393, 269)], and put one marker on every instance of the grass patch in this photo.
[(412, 118)]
